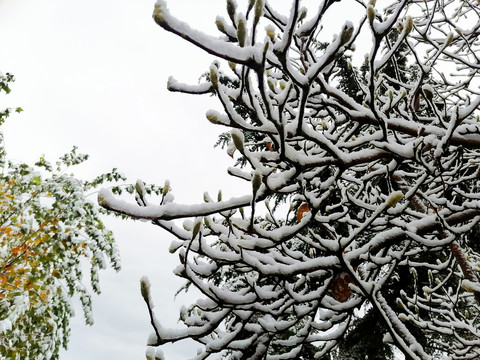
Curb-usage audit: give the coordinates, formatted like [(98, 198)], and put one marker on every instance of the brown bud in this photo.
[(238, 139), (231, 9), (371, 14), (408, 25), (258, 10), (256, 182), (346, 34), (241, 31), (214, 76)]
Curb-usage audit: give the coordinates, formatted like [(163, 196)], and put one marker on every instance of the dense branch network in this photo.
[(380, 179)]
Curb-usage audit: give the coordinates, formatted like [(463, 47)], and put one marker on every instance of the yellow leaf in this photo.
[(301, 211)]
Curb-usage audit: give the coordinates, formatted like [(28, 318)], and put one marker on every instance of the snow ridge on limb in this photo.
[(214, 46), (167, 211), (369, 174)]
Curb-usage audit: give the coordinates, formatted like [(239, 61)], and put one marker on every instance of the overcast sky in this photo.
[(93, 74)]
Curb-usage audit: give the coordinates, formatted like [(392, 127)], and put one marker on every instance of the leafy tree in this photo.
[(50, 233), (380, 185)]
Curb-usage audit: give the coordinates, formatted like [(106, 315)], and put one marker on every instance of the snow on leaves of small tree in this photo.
[(381, 183), (49, 234)]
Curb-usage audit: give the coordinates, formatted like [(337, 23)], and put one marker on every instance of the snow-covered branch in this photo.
[(369, 172)]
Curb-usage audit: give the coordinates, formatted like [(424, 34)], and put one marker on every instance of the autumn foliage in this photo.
[(50, 233)]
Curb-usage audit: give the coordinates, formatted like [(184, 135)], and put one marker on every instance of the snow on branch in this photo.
[(364, 209)]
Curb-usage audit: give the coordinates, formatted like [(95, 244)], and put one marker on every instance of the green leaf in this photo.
[(37, 180)]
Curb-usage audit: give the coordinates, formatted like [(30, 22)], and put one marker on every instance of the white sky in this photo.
[(93, 73)]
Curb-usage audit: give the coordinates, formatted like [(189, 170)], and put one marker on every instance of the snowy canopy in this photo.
[(364, 177)]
